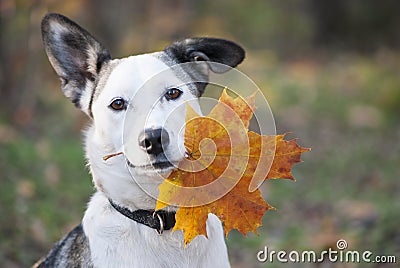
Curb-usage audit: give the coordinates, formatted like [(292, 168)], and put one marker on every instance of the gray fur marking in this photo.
[(72, 251)]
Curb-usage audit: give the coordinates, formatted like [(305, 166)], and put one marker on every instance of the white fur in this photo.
[(116, 241)]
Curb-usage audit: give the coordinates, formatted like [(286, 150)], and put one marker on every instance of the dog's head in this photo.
[(136, 103)]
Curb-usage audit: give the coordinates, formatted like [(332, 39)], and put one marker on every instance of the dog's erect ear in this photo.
[(76, 56), (207, 49)]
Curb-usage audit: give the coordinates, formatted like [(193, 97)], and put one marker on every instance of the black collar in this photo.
[(158, 220)]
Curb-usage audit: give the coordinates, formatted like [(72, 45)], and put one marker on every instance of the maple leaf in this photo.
[(224, 166)]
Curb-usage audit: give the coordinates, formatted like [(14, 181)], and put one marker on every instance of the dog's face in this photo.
[(137, 103), (141, 111)]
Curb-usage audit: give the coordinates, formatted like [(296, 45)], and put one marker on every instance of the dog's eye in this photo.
[(118, 104), (173, 94)]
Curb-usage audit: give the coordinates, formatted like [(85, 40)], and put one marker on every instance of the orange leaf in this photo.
[(225, 163)]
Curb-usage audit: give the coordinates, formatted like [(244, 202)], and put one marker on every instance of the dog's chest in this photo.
[(120, 248), (116, 241)]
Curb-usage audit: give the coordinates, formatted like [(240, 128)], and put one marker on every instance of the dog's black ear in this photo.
[(208, 49), (76, 56)]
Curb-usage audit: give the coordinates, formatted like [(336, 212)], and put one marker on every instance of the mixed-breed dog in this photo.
[(120, 227)]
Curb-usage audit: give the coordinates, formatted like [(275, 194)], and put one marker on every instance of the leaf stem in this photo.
[(105, 158)]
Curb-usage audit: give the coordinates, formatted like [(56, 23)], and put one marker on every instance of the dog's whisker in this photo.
[(105, 158)]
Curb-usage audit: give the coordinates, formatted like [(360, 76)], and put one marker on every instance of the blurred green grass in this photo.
[(347, 188), (43, 194)]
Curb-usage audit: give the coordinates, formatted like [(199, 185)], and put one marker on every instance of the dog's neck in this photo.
[(158, 220)]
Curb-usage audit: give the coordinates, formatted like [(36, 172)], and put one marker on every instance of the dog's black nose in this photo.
[(153, 140)]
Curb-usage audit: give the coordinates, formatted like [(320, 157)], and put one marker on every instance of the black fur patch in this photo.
[(201, 50), (217, 50), (68, 47)]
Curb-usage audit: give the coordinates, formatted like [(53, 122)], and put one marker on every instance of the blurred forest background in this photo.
[(330, 71)]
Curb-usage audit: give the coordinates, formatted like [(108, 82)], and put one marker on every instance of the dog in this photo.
[(120, 227)]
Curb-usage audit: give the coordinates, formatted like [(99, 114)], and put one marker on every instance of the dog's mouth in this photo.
[(159, 164), (156, 166)]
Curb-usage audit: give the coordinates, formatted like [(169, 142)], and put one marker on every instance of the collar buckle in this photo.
[(160, 220)]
